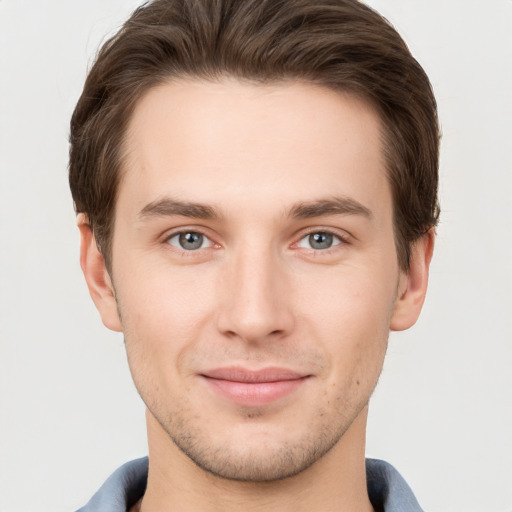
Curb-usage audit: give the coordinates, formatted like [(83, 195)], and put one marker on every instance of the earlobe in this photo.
[(413, 284), (96, 275)]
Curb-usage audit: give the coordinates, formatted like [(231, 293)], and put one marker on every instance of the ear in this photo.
[(413, 284), (96, 275)]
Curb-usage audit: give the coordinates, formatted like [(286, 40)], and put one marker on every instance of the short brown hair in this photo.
[(340, 44)]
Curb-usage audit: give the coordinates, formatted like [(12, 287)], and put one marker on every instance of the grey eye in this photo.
[(319, 240), (189, 241)]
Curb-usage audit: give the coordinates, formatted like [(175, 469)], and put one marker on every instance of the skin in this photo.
[(256, 170)]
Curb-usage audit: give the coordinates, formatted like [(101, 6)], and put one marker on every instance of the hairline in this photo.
[(221, 77)]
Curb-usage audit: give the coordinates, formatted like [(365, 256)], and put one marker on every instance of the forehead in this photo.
[(219, 140)]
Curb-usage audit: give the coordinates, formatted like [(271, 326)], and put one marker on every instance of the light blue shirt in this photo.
[(387, 490)]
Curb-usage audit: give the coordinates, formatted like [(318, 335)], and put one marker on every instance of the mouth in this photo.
[(251, 388)]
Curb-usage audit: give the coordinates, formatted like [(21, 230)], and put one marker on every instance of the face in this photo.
[(254, 270)]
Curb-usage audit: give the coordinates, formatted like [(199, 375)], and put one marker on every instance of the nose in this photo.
[(255, 301)]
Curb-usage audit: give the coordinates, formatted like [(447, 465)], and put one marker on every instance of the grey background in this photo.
[(442, 413)]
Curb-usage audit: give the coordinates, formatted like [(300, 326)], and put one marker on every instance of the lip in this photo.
[(254, 388)]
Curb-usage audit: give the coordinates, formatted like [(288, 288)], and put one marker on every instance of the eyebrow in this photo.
[(331, 206), (166, 207)]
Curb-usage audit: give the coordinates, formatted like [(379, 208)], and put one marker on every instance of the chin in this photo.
[(256, 454), (256, 465)]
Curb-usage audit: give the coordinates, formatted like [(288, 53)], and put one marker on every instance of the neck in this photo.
[(337, 481)]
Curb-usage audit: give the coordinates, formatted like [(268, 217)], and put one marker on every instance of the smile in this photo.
[(254, 388)]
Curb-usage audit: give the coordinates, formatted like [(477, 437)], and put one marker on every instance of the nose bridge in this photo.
[(254, 302)]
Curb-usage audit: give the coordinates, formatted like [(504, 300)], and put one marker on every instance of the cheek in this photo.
[(350, 303), (162, 299), (350, 318), (162, 317)]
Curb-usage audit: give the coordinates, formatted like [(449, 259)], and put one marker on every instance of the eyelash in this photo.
[(189, 252), (343, 239)]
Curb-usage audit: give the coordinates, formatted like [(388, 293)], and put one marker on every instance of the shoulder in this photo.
[(387, 489), (122, 489)]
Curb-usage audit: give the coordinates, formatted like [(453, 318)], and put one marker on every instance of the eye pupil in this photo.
[(320, 240), (191, 240)]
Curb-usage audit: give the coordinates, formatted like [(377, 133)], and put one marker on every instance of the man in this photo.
[(256, 188)]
